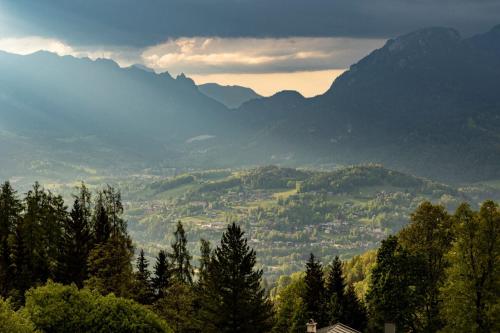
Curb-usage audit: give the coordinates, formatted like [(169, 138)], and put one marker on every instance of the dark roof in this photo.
[(337, 328)]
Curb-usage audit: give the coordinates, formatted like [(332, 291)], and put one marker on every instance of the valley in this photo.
[(286, 213)]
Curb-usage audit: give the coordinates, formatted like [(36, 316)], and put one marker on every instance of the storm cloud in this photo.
[(144, 23)]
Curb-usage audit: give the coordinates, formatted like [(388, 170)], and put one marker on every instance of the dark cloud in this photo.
[(147, 22)]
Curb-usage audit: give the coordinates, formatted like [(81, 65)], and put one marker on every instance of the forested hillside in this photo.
[(286, 212), (72, 269)]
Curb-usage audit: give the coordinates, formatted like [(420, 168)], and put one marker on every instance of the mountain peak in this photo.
[(184, 79), (427, 38), (288, 94)]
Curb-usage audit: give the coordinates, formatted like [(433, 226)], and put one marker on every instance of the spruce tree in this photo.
[(30, 233), (101, 226), (142, 284), (235, 300), (114, 210), (353, 310), (315, 293), (162, 275), (20, 260), (10, 215), (55, 217), (181, 259), (77, 240), (335, 292), (203, 271)]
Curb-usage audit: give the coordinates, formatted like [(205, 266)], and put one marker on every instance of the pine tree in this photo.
[(205, 259), (235, 300), (142, 285), (77, 240), (335, 292), (353, 310), (55, 217), (101, 225), (201, 286), (114, 210), (315, 293), (20, 260), (181, 259), (41, 231), (162, 275), (10, 215)]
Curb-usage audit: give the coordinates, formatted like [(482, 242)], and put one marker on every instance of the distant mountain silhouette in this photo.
[(93, 112), (230, 96), (427, 102)]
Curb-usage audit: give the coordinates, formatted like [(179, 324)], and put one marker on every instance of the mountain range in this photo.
[(427, 102)]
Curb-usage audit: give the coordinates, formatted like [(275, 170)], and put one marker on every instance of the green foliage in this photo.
[(289, 304), (220, 185), (358, 271), (55, 308), (162, 274), (471, 291), (392, 296), (348, 179), (177, 307), (175, 182), (77, 240), (181, 259), (110, 268), (428, 237), (335, 292), (270, 177), (142, 286), (205, 262), (235, 300), (10, 216), (353, 313), (13, 322), (315, 296)]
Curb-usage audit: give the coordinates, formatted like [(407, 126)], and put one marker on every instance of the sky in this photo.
[(268, 45)]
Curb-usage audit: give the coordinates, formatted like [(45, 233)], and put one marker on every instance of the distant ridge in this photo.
[(426, 103), (230, 96)]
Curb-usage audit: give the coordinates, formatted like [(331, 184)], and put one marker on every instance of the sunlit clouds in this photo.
[(28, 45), (256, 55)]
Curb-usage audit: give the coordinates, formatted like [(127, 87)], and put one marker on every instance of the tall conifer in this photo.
[(235, 300), (181, 259), (315, 293)]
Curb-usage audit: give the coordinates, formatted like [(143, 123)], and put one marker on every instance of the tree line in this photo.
[(67, 269), (51, 256), (441, 273)]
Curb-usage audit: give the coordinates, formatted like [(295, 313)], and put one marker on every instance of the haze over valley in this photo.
[(247, 166)]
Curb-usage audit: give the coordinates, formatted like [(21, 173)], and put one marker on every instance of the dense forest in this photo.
[(76, 270)]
